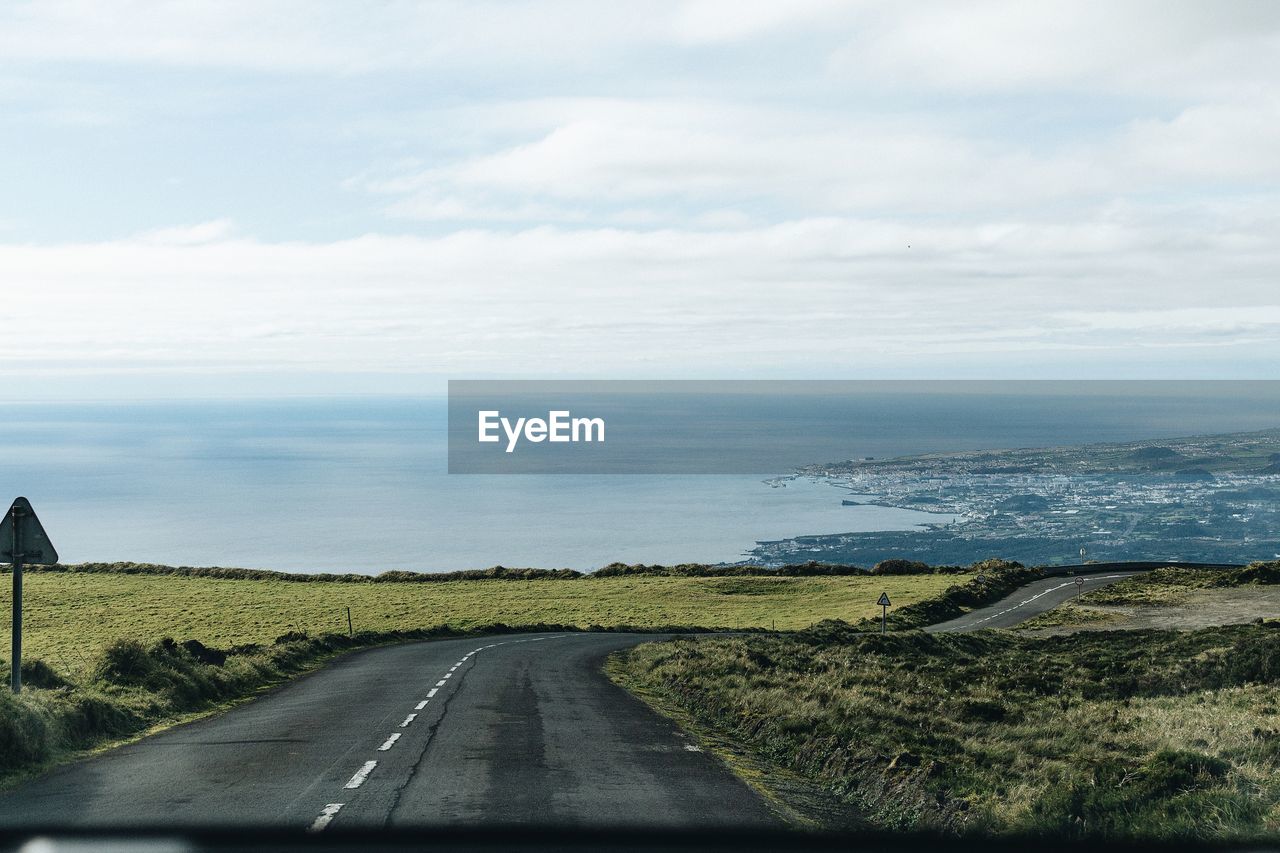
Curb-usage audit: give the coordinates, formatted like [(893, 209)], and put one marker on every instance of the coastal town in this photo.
[(1205, 498)]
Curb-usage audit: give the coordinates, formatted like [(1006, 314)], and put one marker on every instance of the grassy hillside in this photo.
[(71, 616), (1132, 734)]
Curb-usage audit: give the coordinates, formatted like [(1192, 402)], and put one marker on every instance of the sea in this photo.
[(361, 484)]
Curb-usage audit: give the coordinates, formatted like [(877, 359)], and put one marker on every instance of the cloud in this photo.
[(216, 230), (314, 36), (1136, 47), (625, 161), (838, 294), (988, 44), (712, 186), (719, 21)]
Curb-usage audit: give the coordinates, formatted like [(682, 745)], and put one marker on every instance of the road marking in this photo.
[(1033, 598), (1022, 603), (326, 815), (331, 809), (363, 773), (691, 748)]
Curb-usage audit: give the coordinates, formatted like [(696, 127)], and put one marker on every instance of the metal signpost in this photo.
[(22, 540), (884, 612)]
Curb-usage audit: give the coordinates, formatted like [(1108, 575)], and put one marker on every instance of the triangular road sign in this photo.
[(33, 543), (884, 600)]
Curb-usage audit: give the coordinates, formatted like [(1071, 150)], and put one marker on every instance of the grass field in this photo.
[(70, 617), (1148, 735)]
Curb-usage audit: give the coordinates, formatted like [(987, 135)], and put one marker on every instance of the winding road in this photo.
[(1030, 600), (514, 730), (508, 730)]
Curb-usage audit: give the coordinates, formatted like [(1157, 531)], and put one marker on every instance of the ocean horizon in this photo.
[(360, 485)]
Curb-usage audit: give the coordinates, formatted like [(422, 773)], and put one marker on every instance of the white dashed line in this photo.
[(331, 809), (691, 748), (1023, 603), (363, 773), (1033, 598), (326, 815)]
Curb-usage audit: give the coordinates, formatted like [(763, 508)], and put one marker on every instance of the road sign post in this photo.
[(884, 612), (22, 541), (15, 647)]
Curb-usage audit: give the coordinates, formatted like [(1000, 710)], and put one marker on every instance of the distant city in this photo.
[(1199, 499)]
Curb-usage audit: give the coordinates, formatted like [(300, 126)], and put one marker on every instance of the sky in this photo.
[(281, 198)]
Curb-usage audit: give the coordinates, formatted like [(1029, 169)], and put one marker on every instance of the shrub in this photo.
[(124, 662), (37, 673), (24, 736), (900, 567)]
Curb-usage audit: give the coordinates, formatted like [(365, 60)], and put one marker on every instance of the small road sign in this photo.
[(21, 534), (884, 612), (22, 540), (1079, 583)]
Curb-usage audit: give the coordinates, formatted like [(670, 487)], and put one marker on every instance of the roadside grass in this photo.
[(70, 617), (1128, 735), (1070, 615)]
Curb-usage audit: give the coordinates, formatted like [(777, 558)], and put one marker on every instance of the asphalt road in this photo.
[(512, 730), (1028, 601)]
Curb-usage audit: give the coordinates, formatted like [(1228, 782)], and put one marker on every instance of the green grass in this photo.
[(1069, 615), (1151, 735), (71, 616)]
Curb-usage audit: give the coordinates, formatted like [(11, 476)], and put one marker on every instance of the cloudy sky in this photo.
[(299, 197)]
